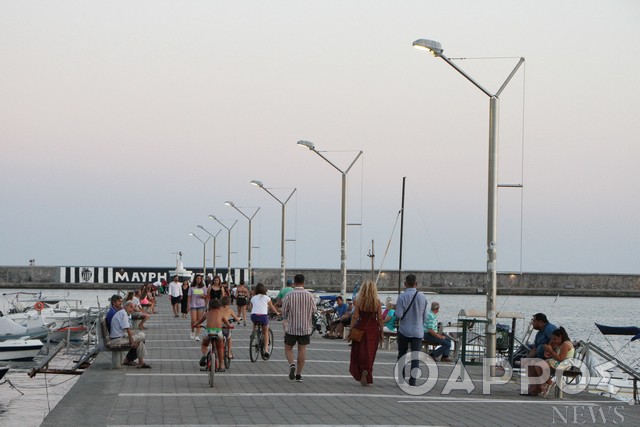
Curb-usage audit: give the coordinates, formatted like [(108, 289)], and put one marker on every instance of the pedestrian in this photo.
[(197, 299), (298, 308), (411, 309), (368, 318), (175, 293), (184, 303)]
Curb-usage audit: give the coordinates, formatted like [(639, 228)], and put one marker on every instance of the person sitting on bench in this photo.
[(431, 335)]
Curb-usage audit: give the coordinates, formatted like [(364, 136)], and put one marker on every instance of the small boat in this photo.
[(20, 349), (3, 370), (12, 330)]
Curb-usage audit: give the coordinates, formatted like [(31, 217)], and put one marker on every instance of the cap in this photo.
[(289, 282)]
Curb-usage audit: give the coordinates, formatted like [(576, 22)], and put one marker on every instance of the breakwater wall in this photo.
[(443, 282)]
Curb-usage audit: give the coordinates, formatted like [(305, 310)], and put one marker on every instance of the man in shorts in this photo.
[(298, 307)]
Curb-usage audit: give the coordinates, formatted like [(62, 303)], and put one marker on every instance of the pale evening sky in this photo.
[(125, 124)]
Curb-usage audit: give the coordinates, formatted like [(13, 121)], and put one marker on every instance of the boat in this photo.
[(24, 349), (3, 370), (9, 329)]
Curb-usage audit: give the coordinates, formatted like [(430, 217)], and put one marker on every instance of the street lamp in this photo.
[(214, 247), (204, 254), (228, 243), (343, 217), (492, 204), (249, 252), (284, 223)]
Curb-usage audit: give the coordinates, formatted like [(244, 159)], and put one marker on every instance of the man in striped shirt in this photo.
[(298, 307)]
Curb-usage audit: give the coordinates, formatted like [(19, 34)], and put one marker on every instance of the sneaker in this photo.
[(446, 360), (292, 371), (266, 355), (198, 338), (203, 361), (193, 335), (299, 378)]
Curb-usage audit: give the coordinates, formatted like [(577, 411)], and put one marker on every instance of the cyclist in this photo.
[(216, 319), (228, 313), (260, 306)]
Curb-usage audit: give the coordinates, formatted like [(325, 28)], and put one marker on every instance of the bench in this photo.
[(116, 350), (389, 337)]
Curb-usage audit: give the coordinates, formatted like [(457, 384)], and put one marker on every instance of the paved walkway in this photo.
[(176, 392)]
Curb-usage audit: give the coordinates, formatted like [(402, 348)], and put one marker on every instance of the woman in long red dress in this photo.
[(368, 317)]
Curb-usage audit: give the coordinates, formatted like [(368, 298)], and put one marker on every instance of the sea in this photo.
[(26, 401)]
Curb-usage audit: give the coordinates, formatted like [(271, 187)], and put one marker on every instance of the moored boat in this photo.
[(24, 349)]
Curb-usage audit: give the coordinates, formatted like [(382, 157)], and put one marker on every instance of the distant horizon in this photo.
[(337, 269)]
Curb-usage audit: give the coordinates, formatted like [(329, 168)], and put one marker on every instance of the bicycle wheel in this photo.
[(211, 366), (227, 359), (254, 346)]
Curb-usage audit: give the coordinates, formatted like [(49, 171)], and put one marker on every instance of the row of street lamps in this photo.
[(436, 50)]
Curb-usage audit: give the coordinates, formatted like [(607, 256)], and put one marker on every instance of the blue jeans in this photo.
[(404, 343), (444, 343)]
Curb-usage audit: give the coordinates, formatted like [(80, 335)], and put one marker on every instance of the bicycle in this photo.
[(212, 356), (256, 342)]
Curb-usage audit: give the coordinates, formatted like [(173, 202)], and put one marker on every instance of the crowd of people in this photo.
[(410, 318)]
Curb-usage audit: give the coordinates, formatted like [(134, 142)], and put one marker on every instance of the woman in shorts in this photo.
[(260, 306), (197, 303), (242, 299)]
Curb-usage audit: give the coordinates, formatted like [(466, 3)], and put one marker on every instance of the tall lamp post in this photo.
[(492, 204), (343, 215), (228, 242), (214, 247), (204, 253), (249, 218), (284, 224)]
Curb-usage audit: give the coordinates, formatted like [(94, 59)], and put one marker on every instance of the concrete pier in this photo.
[(176, 392)]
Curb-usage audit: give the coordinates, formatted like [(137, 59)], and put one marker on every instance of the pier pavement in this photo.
[(176, 392)]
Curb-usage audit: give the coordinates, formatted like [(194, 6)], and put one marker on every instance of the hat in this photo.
[(289, 282)]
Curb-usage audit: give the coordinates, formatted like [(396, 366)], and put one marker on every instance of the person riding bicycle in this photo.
[(260, 306), (228, 312), (216, 319)]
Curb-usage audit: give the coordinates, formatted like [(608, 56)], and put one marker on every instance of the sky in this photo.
[(124, 125)]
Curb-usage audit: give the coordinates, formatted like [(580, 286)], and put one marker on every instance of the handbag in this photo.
[(356, 334)]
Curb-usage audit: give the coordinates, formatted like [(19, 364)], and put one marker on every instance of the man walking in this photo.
[(298, 307), (175, 293), (411, 309)]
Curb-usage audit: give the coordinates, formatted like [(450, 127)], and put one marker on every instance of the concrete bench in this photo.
[(117, 350)]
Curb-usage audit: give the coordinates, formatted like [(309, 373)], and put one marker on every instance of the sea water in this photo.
[(576, 314)]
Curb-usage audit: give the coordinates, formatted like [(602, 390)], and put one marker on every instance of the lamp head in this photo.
[(213, 217), (431, 45), (199, 226), (230, 204), (257, 183), (310, 145), (191, 234)]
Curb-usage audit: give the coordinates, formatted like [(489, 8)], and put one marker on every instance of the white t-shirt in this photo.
[(260, 304)]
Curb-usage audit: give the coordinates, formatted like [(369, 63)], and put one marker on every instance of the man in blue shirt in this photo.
[(545, 330), (411, 309), (343, 317)]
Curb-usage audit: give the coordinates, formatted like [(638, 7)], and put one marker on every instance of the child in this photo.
[(226, 331), (260, 305), (216, 318)]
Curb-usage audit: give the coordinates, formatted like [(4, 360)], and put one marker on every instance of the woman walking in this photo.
[(242, 299), (368, 318), (197, 297), (184, 309)]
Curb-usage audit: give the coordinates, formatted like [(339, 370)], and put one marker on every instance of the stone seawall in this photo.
[(444, 282)]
